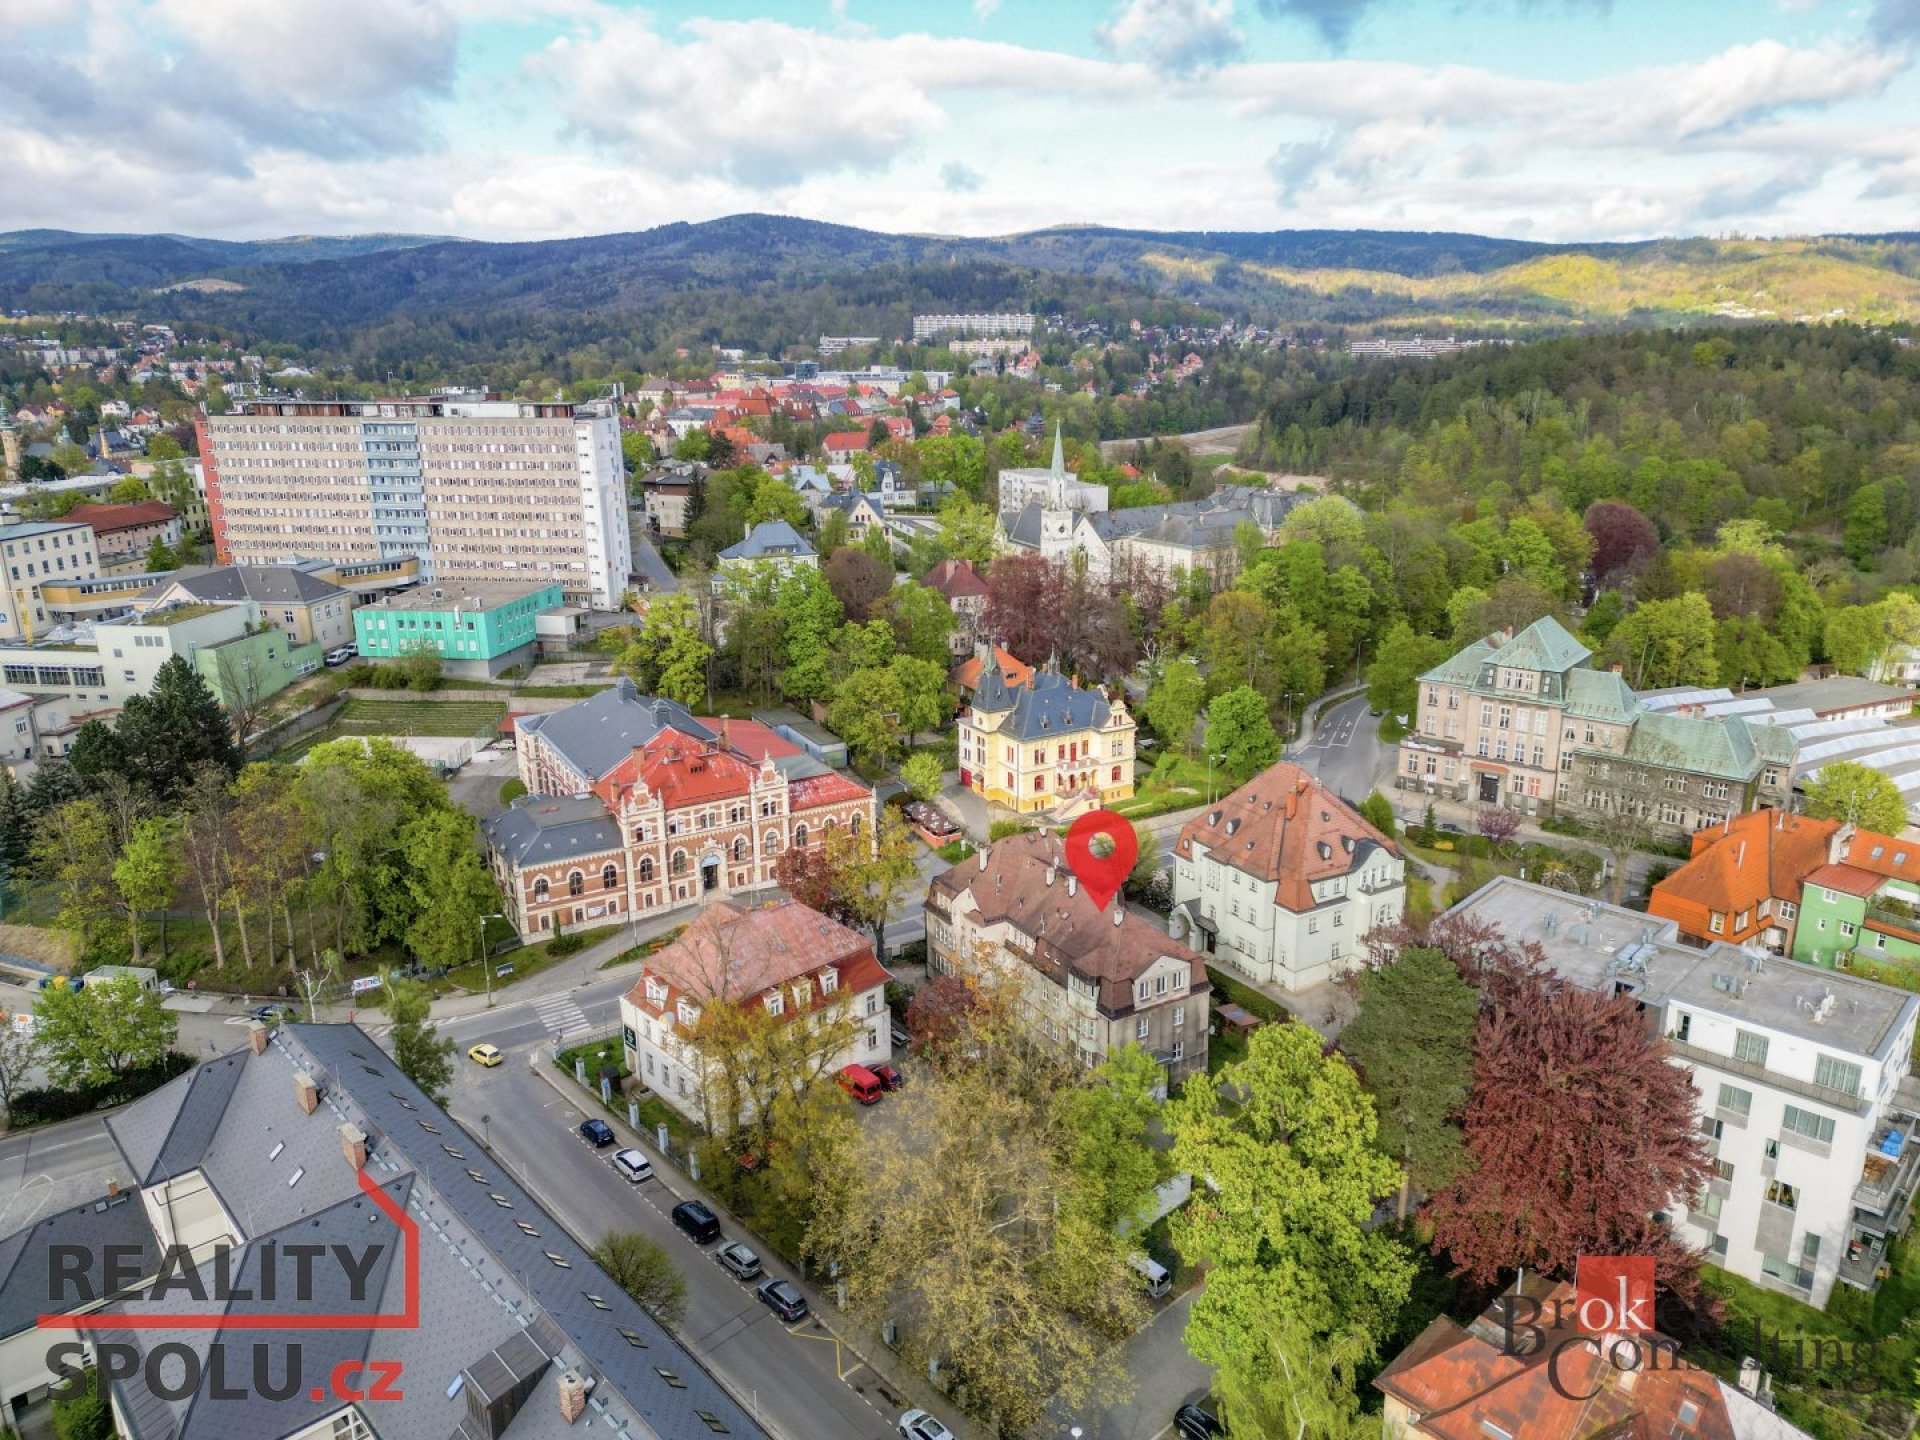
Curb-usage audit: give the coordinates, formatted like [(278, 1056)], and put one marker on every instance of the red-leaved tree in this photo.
[(1578, 1130), (1624, 540), (1498, 824)]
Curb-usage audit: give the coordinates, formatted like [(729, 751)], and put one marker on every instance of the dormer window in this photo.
[(656, 993), (829, 981), (689, 1013), (802, 993), (776, 1002)]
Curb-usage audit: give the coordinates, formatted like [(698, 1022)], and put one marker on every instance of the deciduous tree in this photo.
[(423, 1054), (1668, 642), (1174, 701), (923, 775), (1399, 661), (147, 873), (1845, 790), (1239, 732), (1624, 540), (668, 654), (87, 1037), (641, 1267)]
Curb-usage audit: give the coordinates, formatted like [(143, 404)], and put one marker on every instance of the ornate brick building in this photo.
[(633, 804)]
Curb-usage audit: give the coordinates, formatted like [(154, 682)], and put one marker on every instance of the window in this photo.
[(1179, 1016), (540, 891), (646, 868), (1750, 1047), (1723, 1170), (1808, 1123), (1837, 1075), (1733, 1098), (609, 877), (873, 1002), (776, 1002), (1780, 1193), (1717, 922)]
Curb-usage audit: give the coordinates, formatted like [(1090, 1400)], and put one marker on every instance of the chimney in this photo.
[(256, 1037), (113, 1188), (1073, 886), (1119, 916), (1618, 669), (573, 1395), (306, 1092), (353, 1145)]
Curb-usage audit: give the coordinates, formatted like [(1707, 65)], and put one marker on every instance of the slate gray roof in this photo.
[(494, 1302), (1049, 705), (27, 1290), (1023, 527), (167, 1132), (849, 500), (601, 731), (263, 584), (769, 540), (540, 829)]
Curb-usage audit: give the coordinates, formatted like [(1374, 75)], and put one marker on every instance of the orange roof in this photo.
[(743, 954), (1761, 854), (680, 768), (1886, 855), (1284, 826), (109, 519), (845, 440), (1463, 1385), (967, 673), (749, 738)]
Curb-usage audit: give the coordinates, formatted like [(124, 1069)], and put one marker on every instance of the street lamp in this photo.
[(486, 966), (1211, 757)]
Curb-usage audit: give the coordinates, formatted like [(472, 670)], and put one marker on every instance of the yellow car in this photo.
[(488, 1055)]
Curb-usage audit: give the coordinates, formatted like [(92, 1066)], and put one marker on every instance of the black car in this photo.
[(269, 1014), (780, 1297), (696, 1222), (1190, 1422), (596, 1133)]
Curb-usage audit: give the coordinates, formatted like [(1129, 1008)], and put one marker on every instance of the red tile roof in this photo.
[(956, 580), (749, 738), (1850, 879), (810, 792), (1886, 855), (1752, 857), (1284, 826), (680, 768), (845, 440), (967, 673), (742, 954), (111, 519)]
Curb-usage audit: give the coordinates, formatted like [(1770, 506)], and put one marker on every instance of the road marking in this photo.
[(560, 1015)]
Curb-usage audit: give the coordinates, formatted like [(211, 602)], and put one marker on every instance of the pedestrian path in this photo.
[(560, 1015)]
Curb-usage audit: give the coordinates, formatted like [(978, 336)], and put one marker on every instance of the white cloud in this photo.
[(1176, 37)]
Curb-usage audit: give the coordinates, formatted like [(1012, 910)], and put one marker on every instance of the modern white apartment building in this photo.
[(925, 327), (477, 489), (1282, 879), (1804, 1081), (33, 554)]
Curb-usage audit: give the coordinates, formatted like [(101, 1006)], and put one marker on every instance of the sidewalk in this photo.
[(911, 1385)]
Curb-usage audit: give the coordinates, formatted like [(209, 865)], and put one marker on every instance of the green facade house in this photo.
[(1866, 904), (477, 630)]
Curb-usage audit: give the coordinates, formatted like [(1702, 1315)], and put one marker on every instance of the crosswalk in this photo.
[(560, 1015)]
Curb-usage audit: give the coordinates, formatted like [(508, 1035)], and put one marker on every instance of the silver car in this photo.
[(632, 1164), (738, 1261), (919, 1425)]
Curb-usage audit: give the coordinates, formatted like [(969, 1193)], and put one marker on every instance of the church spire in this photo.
[(1059, 455)]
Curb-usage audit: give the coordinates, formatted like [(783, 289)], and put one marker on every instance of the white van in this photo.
[(1154, 1276)]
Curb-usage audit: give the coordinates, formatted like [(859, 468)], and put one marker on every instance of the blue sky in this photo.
[(526, 119)]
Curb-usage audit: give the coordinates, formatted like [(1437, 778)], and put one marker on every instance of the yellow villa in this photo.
[(1046, 745)]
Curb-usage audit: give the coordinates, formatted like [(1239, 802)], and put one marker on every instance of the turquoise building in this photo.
[(477, 630)]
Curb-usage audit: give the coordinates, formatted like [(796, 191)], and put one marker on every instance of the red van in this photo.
[(862, 1084)]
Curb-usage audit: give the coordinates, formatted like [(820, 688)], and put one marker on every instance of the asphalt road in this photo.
[(47, 1169), (799, 1380), (1345, 753)]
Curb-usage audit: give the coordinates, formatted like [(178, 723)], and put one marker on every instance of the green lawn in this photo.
[(653, 1111), (451, 719), (512, 790), (527, 960), (1174, 783)]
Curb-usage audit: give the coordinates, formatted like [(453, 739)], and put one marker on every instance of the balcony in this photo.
[(1887, 1184), (1729, 1065)]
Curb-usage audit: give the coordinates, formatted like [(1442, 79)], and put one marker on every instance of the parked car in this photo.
[(1190, 1422), (783, 1299), (596, 1133), (269, 1014), (1451, 827), (485, 1054), (633, 1165), (337, 658), (738, 1261), (889, 1078), (861, 1083), (902, 1037), (919, 1425), (696, 1222)]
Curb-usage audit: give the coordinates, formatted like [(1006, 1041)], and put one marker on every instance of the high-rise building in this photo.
[(478, 489)]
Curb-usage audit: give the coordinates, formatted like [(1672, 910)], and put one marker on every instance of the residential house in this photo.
[(1803, 1082), (964, 589), (842, 445), (633, 804), (772, 542), (1094, 978), (1194, 536), (1282, 880), (862, 512), (1046, 746), (1529, 1369), (1863, 903), (1742, 883), (310, 607), (1524, 721), (19, 733), (310, 1137), (795, 962)]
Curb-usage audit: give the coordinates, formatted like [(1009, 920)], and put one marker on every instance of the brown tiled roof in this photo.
[(1462, 1385), (1024, 881), (956, 580), (1285, 827), (739, 954), (1849, 879), (966, 675), (111, 519)]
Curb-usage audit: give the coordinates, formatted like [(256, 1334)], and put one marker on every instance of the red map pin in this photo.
[(1101, 849)]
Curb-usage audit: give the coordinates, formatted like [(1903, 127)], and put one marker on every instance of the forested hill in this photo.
[(770, 281)]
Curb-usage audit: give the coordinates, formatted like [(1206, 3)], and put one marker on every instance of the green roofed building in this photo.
[(1525, 721), (477, 630)]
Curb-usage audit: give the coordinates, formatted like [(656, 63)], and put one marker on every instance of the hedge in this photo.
[(41, 1107)]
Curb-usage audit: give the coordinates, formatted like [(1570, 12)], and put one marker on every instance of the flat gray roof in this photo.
[(1839, 692), (1596, 945), (489, 595)]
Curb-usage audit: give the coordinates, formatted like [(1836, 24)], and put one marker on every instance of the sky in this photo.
[(534, 119)]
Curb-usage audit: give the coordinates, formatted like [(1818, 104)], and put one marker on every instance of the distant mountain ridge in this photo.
[(776, 280)]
